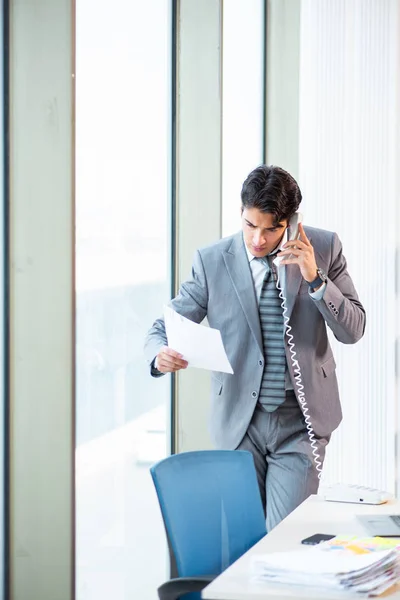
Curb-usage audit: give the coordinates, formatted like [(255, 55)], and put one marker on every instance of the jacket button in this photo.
[(254, 394), (260, 362)]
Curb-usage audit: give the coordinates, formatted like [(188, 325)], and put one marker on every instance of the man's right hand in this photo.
[(169, 361)]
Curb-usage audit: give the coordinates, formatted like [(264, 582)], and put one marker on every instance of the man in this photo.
[(233, 283)]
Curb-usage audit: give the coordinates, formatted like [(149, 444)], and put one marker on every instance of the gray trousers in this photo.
[(282, 453)]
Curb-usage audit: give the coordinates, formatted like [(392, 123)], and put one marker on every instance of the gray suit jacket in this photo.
[(221, 288)]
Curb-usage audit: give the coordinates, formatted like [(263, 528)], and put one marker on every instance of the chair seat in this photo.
[(176, 588)]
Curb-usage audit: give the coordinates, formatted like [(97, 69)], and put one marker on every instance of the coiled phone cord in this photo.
[(298, 379)]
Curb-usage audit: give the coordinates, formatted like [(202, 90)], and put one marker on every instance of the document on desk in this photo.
[(355, 567), (201, 346)]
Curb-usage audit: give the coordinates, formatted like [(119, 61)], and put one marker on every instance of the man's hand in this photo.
[(170, 361), (302, 254)]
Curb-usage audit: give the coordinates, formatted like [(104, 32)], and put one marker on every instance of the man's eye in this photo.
[(250, 225)]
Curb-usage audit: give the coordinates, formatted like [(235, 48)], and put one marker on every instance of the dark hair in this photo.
[(271, 190)]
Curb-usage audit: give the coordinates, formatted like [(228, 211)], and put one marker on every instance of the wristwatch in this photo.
[(319, 280)]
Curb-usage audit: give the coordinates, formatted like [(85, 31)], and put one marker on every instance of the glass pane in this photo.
[(243, 101), (123, 138)]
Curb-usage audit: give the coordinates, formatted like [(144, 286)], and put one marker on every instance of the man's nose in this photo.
[(258, 239)]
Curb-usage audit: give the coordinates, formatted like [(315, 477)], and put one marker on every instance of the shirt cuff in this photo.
[(319, 294), (153, 369)]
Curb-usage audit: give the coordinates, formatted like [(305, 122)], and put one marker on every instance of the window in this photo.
[(123, 138), (243, 102)]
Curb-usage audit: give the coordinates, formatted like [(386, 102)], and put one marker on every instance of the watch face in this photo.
[(322, 274)]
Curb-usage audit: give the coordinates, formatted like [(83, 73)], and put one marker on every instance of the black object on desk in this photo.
[(317, 538)]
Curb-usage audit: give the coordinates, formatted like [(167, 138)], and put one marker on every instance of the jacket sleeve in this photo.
[(191, 302), (340, 306)]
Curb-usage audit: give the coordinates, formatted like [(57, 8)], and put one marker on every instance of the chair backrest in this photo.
[(211, 506)]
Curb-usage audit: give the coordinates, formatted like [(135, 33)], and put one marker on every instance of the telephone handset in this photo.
[(292, 233), (293, 228)]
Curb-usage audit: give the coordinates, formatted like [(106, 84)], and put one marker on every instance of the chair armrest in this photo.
[(175, 588)]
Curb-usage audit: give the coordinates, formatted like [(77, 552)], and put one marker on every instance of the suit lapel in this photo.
[(293, 279), (237, 264)]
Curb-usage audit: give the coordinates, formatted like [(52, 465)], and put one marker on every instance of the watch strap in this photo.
[(316, 282)]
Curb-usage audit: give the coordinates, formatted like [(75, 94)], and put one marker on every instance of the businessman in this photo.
[(260, 408)]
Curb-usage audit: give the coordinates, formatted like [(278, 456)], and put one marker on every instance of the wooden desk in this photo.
[(313, 516)]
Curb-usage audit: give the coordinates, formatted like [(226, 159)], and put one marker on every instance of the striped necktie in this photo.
[(272, 391)]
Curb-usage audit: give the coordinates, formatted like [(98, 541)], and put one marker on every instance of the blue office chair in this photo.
[(212, 512)]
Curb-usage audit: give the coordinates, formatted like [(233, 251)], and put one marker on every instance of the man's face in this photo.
[(259, 233)]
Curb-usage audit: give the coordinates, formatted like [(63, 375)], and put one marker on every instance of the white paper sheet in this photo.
[(201, 346), (368, 574), (314, 561)]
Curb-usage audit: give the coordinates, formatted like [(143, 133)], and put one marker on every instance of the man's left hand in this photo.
[(301, 253)]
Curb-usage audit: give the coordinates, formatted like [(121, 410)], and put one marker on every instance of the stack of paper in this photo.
[(329, 568)]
